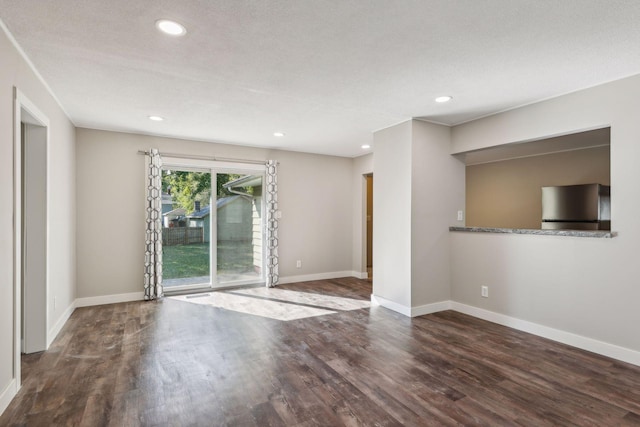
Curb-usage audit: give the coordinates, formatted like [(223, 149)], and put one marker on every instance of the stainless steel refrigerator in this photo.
[(576, 207)]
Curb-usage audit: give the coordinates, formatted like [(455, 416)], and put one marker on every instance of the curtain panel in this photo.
[(272, 223), (153, 241)]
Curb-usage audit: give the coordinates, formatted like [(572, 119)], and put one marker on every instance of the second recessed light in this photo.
[(171, 28), (442, 99), (156, 118), (278, 134)]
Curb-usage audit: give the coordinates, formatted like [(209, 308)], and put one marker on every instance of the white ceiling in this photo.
[(327, 73)]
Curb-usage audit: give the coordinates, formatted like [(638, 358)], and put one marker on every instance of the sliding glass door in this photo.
[(186, 225), (239, 229), (213, 227)]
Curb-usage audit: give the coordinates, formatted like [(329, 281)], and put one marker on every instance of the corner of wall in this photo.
[(7, 395)]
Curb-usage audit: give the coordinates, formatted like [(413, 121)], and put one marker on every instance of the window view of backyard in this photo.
[(187, 222)]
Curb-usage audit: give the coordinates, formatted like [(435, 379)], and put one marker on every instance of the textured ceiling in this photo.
[(327, 73)]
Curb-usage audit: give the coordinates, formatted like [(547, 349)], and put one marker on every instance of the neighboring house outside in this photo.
[(234, 218), (167, 203), (240, 186), (201, 218), (174, 218)]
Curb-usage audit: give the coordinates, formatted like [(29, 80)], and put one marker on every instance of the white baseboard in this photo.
[(589, 344), (139, 296), (55, 330), (360, 274), (317, 276), (579, 341), (383, 302), (109, 299), (419, 310), (435, 307), (8, 394)]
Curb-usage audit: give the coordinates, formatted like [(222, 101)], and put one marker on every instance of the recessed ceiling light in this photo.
[(156, 118), (278, 134), (170, 27), (365, 146), (442, 99)]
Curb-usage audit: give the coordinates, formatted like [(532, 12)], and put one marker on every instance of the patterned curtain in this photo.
[(153, 243), (272, 223)]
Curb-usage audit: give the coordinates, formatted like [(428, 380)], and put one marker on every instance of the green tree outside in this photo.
[(187, 187)]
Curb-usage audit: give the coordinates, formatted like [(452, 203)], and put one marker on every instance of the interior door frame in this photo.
[(35, 116), (214, 167)]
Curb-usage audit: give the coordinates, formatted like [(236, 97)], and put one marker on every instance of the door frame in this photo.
[(33, 115), (214, 167)]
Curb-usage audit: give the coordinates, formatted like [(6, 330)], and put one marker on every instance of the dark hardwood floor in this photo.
[(173, 363)]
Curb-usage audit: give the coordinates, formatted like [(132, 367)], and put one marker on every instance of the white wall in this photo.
[(587, 287), (392, 214), (15, 72), (437, 193), (314, 195), (361, 165)]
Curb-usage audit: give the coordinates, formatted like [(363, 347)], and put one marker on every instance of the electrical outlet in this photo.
[(460, 215), (299, 264), (485, 291)]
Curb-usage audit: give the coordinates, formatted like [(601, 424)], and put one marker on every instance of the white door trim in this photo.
[(21, 102)]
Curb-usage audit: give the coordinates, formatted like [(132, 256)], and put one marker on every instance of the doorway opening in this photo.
[(212, 228), (369, 217), (31, 213)]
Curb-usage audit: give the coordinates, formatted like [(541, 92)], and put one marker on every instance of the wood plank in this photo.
[(175, 363)]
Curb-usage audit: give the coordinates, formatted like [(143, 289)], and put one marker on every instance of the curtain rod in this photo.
[(218, 159)]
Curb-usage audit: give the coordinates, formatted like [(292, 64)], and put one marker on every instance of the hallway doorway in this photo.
[(31, 228), (369, 217)]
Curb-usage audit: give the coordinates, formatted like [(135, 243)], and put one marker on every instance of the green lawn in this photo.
[(180, 261)]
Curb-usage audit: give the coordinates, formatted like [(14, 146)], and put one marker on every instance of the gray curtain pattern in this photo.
[(272, 223), (153, 241)]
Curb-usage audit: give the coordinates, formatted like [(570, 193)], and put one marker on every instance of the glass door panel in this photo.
[(186, 229), (239, 229)]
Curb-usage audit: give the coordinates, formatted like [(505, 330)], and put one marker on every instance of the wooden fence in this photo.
[(182, 235)]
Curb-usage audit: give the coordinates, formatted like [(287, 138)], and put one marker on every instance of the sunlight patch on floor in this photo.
[(273, 303), (307, 298)]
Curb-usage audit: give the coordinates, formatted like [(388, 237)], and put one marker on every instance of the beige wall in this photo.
[(507, 193), (15, 72), (583, 286), (392, 214), (314, 196), (437, 193), (418, 188)]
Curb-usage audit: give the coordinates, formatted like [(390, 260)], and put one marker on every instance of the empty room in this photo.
[(298, 213)]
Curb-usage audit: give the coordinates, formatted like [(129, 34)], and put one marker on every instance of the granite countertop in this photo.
[(571, 233)]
